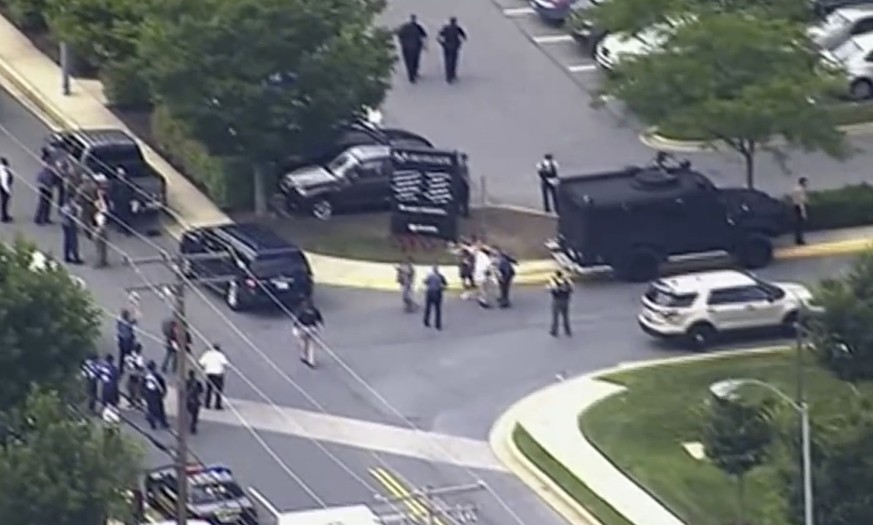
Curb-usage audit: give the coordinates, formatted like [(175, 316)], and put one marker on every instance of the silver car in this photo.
[(842, 25), (855, 57)]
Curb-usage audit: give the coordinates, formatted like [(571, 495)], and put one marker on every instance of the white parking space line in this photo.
[(552, 39), (581, 68), (518, 11)]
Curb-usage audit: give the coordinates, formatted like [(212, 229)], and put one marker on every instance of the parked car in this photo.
[(214, 495), (359, 178), (696, 308), (635, 218), (557, 11), (360, 133), (585, 30), (855, 56), (823, 8), (614, 47), (841, 25), (252, 265), (100, 152)]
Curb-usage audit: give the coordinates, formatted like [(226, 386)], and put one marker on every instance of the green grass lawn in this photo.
[(577, 490), (642, 430)]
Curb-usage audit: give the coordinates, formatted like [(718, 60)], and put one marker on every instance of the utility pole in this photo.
[(177, 289)]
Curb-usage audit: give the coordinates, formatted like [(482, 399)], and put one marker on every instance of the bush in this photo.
[(227, 181), (124, 84), (841, 207), (27, 15)]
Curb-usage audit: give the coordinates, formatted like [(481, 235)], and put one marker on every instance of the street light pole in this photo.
[(807, 464)]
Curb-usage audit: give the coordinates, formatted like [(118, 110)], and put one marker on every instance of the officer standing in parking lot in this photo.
[(561, 288), (547, 169), (412, 37), (451, 37), (799, 199)]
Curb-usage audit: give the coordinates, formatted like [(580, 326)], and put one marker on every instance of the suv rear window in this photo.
[(662, 297)]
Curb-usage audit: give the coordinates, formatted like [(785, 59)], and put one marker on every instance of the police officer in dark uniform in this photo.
[(154, 391), (122, 194), (412, 37), (547, 170), (193, 400), (91, 374), (109, 376), (560, 288), (451, 37)]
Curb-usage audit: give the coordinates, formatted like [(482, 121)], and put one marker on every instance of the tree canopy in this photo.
[(264, 79), (736, 436), (728, 78), (48, 325), (58, 468)]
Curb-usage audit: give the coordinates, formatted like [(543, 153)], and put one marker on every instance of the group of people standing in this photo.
[(413, 41)]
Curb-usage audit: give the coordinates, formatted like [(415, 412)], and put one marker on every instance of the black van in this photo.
[(254, 265)]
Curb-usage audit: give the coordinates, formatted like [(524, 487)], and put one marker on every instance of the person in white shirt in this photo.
[(5, 189), (214, 363)]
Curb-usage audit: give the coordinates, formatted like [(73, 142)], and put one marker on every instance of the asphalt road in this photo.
[(393, 371), (524, 91)]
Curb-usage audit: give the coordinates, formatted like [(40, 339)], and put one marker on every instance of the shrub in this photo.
[(227, 181), (124, 84), (844, 207), (27, 15)]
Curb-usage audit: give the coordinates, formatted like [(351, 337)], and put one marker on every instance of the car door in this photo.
[(220, 264), (727, 308), (373, 184), (760, 307)]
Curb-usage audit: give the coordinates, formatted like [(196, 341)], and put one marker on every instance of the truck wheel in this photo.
[(755, 251), (700, 336), (641, 265)]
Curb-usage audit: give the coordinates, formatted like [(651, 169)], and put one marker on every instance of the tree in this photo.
[(48, 325), (267, 79), (57, 467), (751, 84), (841, 332), (736, 438)]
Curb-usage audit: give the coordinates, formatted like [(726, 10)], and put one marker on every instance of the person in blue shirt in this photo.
[(70, 212), (125, 330), (109, 382), (505, 273), (154, 391), (45, 182), (434, 286), (91, 375)]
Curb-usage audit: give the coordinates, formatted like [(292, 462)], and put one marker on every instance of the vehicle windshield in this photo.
[(848, 50), (835, 22), (206, 493), (342, 165), (107, 159), (287, 263), (772, 290), (666, 298)]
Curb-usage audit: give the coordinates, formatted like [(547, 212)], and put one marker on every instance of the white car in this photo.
[(697, 307), (842, 25), (614, 47), (855, 57)]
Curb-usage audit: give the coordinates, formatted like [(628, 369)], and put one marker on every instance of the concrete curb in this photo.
[(652, 139), (502, 444)]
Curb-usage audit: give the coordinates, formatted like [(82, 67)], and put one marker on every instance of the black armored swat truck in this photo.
[(637, 218)]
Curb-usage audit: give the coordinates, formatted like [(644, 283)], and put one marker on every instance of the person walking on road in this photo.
[(505, 274), (101, 234), (413, 40), (214, 364), (70, 227), (45, 182), (5, 189), (561, 289), (193, 400), (547, 170), (154, 391), (309, 320), (406, 280), (799, 201), (125, 330), (451, 37), (434, 286), (109, 378), (134, 364)]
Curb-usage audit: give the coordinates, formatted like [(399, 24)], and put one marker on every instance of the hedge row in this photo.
[(841, 208)]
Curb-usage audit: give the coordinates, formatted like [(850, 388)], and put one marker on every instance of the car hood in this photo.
[(796, 290), (309, 177)]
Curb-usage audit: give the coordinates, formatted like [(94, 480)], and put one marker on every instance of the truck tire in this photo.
[(640, 265), (754, 251), (699, 336)]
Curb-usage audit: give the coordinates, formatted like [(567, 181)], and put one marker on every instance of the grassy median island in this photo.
[(367, 236), (642, 431), (562, 477)]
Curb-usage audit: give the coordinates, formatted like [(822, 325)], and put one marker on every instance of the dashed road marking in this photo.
[(518, 11), (581, 68), (552, 39)]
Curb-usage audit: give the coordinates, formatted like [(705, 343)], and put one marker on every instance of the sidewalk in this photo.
[(35, 80), (551, 418)]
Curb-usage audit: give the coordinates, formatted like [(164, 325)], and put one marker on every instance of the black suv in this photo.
[(254, 264), (359, 178), (634, 219), (360, 133)]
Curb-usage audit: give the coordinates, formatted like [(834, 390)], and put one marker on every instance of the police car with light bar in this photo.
[(214, 495)]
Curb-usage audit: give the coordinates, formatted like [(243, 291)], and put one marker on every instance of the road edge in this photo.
[(654, 140), (503, 446)]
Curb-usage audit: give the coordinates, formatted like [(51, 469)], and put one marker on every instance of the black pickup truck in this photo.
[(99, 153)]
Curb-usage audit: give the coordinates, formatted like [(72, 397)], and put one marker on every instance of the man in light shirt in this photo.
[(214, 363), (5, 189), (799, 199)]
